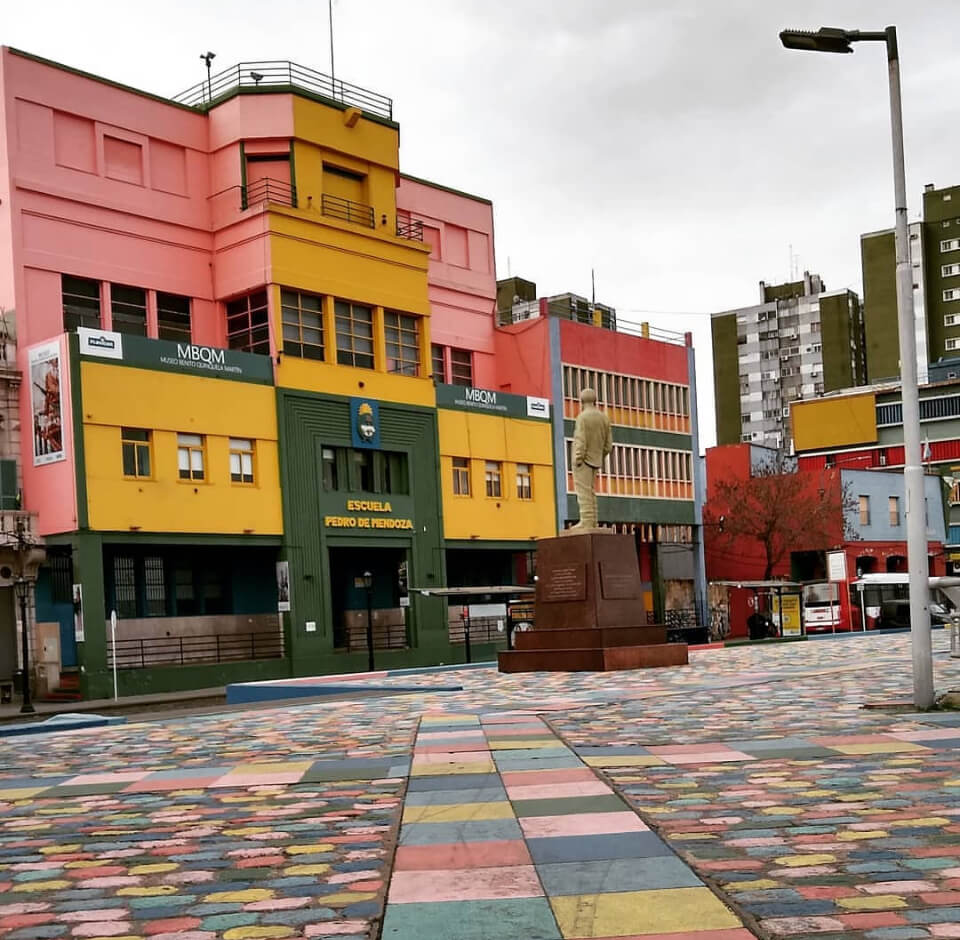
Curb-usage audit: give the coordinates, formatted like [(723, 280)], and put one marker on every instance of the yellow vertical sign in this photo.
[(786, 611)]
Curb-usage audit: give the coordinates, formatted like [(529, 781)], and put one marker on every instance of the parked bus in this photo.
[(822, 610), (883, 600)]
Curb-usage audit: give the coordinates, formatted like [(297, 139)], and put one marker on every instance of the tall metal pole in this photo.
[(923, 691), (369, 588), (333, 71), (27, 707)]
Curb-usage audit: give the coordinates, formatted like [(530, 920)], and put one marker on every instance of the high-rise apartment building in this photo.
[(935, 260), (798, 342)]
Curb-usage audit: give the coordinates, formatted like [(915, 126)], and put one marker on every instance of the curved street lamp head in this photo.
[(825, 39)]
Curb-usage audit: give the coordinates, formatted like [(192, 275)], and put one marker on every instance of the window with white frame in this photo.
[(524, 481), (951, 319), (241, 460), (950, 270), (952, 293), (951, 344), (190, 463), (493, 473), (950, 244), (461, 476)]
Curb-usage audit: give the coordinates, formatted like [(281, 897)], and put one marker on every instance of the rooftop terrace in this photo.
[(253, 77)]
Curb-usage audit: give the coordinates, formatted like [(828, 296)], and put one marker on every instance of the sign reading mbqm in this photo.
[(144, 353), (487, 401)]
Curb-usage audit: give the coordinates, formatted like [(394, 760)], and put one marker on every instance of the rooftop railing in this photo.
[(279, 75)]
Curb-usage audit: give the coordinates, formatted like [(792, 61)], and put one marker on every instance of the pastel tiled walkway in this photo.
[(507, 834)]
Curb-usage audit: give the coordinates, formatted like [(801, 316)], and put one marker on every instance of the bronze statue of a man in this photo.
[(592, 441)]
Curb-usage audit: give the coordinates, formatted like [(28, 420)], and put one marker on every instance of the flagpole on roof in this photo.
[(333, 72)]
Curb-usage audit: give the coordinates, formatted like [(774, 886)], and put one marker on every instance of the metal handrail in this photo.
[(144, 652), (265, 189), (347, 211), (410, 228), (251, 76)]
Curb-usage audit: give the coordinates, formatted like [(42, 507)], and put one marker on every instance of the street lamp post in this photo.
[(839, 40), (368, 587), (22, 588)]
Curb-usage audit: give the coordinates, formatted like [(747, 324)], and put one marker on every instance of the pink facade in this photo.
[(462, 279), (116, 187), (523, 358)]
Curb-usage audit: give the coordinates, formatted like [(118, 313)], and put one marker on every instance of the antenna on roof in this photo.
[(593, 289), (333, 71)]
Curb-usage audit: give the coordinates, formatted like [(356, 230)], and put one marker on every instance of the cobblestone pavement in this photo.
[(809, 815)]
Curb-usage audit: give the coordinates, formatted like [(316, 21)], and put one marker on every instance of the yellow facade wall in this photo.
[(336, 259), (509, 441), (834, 422), (166, 404), (329, 377), (325, 256), (368, 147)]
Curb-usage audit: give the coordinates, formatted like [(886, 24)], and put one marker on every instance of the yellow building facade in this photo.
[(159, 416), (497, 477)]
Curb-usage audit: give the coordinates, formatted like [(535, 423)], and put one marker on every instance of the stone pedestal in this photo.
[(589, 612)]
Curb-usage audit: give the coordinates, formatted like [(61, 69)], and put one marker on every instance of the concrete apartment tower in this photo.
[(935, 255), (800, 341)]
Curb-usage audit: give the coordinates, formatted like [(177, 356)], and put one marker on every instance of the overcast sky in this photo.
[(673, 145)]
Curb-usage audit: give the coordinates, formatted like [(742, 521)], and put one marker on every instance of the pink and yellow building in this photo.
[(262, 382)]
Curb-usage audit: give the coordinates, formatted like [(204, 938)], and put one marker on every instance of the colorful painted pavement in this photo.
[(758, 767), (506, 834)]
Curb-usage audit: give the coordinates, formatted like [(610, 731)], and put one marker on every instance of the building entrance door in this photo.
[(349, 597)]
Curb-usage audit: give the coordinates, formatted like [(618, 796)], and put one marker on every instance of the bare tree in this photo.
[(781, 510)]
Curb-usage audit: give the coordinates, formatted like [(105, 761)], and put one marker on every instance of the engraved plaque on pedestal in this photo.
[(617, 584), (564, 583)]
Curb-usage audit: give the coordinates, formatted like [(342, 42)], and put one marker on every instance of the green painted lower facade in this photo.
[(623, 509), (326, 556), (87, 559)]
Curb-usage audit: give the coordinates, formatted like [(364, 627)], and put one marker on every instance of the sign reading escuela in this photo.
[(487, 401), (368, 522), (188, 358)]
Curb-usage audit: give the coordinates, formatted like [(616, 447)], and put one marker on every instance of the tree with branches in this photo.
[(781, 510)]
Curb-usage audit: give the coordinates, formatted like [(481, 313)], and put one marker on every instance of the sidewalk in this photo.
[(107, 706)]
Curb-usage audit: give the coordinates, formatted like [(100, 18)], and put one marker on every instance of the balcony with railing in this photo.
[(265, 190), (281, 76), (410, 228), (336, 207)]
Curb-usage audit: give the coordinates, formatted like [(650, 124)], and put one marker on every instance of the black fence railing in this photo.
[(144, 652), (339, 208), (280, 75), (410, 228), (386, 636), (482, 630), (280, 192), (684, 626)]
